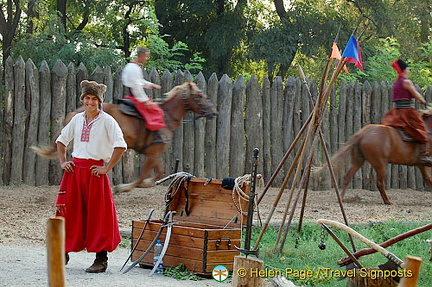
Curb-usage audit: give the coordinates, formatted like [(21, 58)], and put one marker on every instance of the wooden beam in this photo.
[(412, 264), (247, 271), (56, 252)]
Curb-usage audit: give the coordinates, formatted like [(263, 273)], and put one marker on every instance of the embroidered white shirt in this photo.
[(94, 140), (133, 77)]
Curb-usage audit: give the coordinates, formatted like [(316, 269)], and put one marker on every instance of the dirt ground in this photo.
[(24, 211)]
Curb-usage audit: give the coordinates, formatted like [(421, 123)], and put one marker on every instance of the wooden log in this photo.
[(109, 82), (56, 252), (246, 271), (296, 124), (253, 126), (128, 162), (72, 95), (82, 74), (58, 111), (175, 150), (412, 264), (167, 83), (149, 92), (188, 136), (155, 78), (97, 75), (199, 135), (367, 111), (267, 118), (237, 146), (117, 171), (282, 120), (342, 136), (1, 125), (19, 122), (210, 129), (224, 105), (43, 131), (32, 99)]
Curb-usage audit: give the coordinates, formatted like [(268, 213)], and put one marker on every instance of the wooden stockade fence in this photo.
[(253, 113)]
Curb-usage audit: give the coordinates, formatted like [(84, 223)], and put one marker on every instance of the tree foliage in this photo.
[(233, 37)]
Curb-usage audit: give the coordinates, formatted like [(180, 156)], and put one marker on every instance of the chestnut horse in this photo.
[(380, 145), (175, 104)]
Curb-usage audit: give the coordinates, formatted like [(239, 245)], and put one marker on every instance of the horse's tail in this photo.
[(49, 151), (338, 159)]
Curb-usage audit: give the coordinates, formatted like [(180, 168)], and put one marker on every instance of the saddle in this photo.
[(127, 107), (406, 137)]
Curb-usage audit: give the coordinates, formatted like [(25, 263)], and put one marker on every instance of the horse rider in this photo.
[(404, 116), (133, 78)]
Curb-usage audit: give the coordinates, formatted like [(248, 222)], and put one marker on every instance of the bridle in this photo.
[(193, 98)]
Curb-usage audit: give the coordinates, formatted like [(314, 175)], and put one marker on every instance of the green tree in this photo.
[(96, 33), (10, 15), (214, 29)]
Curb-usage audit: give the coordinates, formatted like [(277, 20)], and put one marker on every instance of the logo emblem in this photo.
[(220, 273)]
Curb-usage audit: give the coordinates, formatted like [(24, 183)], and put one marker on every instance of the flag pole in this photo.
[(328, 65)]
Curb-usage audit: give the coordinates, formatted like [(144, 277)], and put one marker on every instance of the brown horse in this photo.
[(175, 104), (380, 145)]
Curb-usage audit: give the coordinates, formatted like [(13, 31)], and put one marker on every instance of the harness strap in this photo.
[(186, 193)]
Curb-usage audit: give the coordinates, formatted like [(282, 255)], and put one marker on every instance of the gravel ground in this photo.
[(24, 211)]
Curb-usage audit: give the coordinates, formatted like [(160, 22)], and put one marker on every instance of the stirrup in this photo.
[(425, 159)]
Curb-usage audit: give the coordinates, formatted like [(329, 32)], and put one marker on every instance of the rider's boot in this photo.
[(159, 137), (424, 157)]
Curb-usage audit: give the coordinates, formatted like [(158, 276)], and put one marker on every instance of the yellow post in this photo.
[(56, 252), (412, 264)]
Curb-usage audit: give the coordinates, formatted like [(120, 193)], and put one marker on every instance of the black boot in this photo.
[(100, 264), (424, 157), (159, 137)]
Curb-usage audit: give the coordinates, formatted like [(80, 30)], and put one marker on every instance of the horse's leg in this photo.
[(381, 175), (159, 171), (357, 162), (348, 176), (426, 175), (149, 164)]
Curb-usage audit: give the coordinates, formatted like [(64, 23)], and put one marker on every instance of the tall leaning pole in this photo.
[(312, 127)]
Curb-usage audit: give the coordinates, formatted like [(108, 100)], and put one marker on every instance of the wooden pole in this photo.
[(275, 203), (248, 271), (282, 162), (430, 248), (412, 264), (56, 252), (388, 243), (317, 113), (329, 164)]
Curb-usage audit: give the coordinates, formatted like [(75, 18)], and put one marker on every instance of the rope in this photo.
[(238, 193)]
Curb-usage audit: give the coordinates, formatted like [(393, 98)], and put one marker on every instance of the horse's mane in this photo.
[(426, 112), (174, 91)]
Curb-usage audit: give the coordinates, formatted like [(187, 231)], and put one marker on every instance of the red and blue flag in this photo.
[(352, 53)]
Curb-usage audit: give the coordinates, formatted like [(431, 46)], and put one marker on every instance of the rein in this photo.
[(185, 98)]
